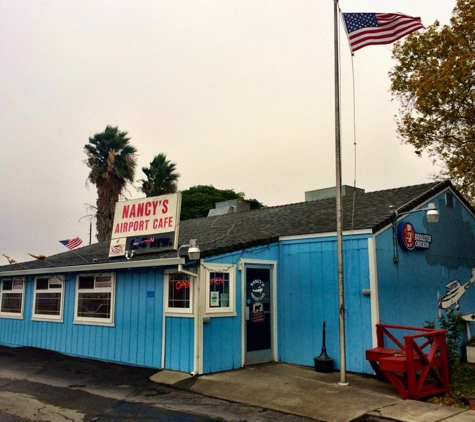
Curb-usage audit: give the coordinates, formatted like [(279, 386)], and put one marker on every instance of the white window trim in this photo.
[(169, 310), (13, 315), (109, 322), (43, 317), (221, 268)]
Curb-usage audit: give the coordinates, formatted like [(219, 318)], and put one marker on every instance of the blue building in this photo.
[(265, 282)]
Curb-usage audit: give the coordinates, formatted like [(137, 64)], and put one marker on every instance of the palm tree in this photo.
[(162, 177), (112, 161)]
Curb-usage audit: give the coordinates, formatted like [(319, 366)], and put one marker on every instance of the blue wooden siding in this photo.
[(409, 291), (136, 338), (222, 345), (308, 296), (222, 337), (179, 343)]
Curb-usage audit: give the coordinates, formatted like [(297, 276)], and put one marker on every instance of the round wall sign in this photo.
[(406, 235)]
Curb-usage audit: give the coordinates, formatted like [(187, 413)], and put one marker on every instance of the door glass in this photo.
[(259, 309)]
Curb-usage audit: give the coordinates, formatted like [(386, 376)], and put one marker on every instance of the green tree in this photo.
[(434, 80), (112, 160), (162, 177), (198, 200)]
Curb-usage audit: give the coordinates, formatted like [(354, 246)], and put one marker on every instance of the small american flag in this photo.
[(71, 243), (365, 29)]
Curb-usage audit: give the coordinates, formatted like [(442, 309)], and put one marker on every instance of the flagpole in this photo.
[(339, 229)]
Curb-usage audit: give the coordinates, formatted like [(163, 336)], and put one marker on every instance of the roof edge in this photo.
[(109, 266), (434, 190)]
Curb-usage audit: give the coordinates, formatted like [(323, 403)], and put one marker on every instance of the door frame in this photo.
[(272, 266)]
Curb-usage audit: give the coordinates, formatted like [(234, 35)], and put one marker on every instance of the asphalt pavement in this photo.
[(45, 386)]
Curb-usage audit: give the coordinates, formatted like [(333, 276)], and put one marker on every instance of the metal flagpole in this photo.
[(339, 229)]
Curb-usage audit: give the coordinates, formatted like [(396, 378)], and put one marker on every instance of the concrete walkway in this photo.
[(303, 391)]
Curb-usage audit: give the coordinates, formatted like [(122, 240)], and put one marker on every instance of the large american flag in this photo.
[(365, 29), (71, 243)]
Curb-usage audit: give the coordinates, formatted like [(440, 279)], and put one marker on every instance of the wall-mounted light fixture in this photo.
[(193, 254), (432, 215)]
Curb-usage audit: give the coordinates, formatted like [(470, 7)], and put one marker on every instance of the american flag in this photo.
[(365, 29), (71, 243)]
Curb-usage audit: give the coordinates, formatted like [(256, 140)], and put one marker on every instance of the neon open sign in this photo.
[(182, 284)]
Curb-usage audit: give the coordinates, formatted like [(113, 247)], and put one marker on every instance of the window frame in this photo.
[(229, 310), (177, 310), (109, 322), (37, 292), (15, 315)]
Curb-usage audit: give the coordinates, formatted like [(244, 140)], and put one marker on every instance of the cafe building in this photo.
[(246, 286)]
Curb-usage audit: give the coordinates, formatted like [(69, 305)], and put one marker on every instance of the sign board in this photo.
[(146, 225), (409, 239)]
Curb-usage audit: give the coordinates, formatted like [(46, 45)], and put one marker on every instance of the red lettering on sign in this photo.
[(182, 284), (165, 206), (143, 209), (125, 211), (216, 280)]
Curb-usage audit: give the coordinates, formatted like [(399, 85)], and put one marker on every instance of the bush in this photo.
[(454, 325)]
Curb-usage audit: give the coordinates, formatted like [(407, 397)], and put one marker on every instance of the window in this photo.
[(178, 292), (220, 289), (95, 299), (13, 290), (48, 302)]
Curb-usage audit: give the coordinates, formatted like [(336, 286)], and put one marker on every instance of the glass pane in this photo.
[(94, 305), (17, 283), (41, 284), (11, 302), (219, 290), (7, 284), (48, 304), (179, 291), (86, 282), (102, 282), (55, 283)]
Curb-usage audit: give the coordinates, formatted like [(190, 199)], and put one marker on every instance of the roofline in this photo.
[(346, 233), (414, 203), (97, 267)]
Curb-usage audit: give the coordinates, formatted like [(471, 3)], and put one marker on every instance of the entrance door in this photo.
[(258, 316)]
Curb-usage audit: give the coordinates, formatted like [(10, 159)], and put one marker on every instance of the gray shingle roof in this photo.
[(231, 232)]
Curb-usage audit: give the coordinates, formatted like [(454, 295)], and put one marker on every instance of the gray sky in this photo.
[(238, 93)]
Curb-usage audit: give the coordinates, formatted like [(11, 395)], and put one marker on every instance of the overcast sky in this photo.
[(238, 93)]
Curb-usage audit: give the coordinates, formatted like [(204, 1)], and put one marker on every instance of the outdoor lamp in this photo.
[(193, 255), (194, 250), (432, 213)]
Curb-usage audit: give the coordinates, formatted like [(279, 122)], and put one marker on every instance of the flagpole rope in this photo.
[(353, 205), (355, 162)]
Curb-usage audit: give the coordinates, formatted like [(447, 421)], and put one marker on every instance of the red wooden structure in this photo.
[(416, 366)]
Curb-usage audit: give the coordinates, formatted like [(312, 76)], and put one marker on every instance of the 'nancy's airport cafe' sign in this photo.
[(145, 225)]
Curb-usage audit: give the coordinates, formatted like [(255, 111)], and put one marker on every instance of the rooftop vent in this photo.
[(229, 207), (325, 193), (449, 199)]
